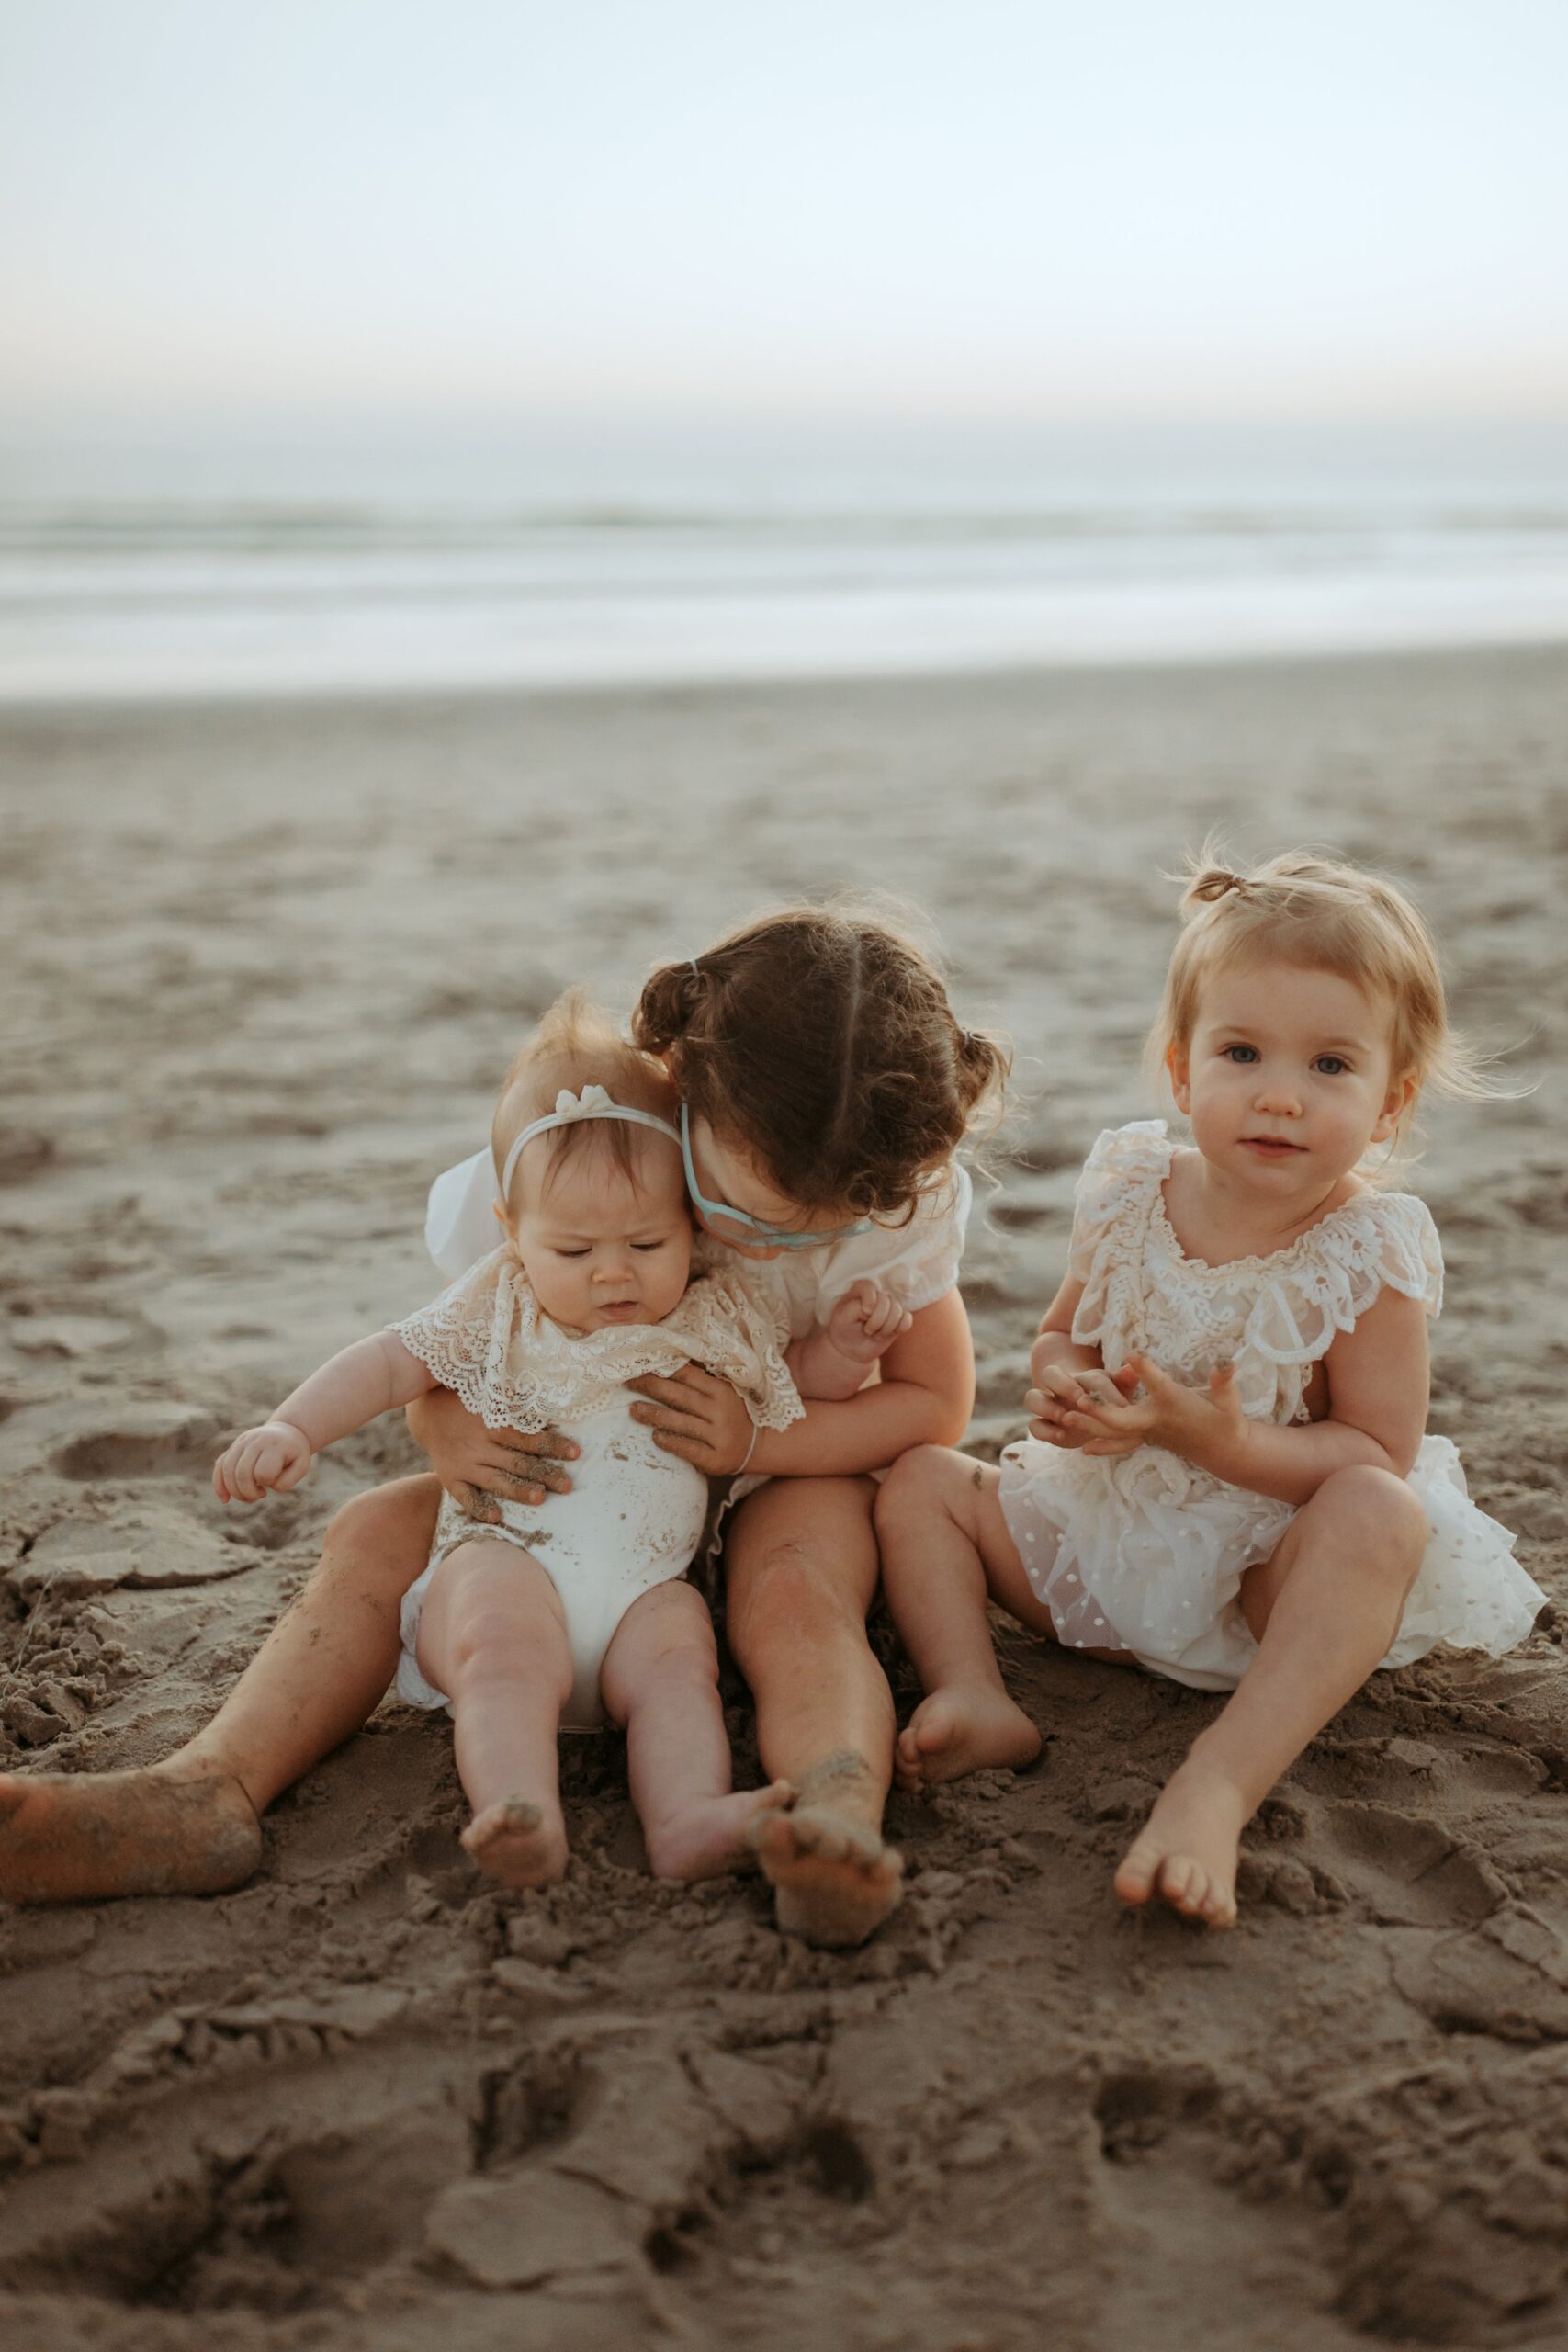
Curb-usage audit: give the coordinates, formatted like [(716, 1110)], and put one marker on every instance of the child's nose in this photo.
[(1277, 1098)]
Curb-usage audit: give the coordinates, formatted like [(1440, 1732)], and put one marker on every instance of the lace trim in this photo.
[(487, 1340), (1275, 1316)]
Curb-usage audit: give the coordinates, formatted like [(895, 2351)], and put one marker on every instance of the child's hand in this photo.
[(271, 1459), (1058, 1406), (865, 1322), (1205, 1426)]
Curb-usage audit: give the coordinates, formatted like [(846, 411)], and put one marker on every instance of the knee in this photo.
[(1384, 1518), (919, 1483), (791, 1592), (388, 1529)]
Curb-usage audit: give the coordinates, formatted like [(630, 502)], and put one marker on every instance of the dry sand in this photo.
[(266, 965)]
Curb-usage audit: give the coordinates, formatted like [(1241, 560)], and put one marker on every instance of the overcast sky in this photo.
[(1359, 206)]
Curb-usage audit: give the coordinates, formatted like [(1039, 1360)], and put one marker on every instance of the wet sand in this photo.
[(266, 965)]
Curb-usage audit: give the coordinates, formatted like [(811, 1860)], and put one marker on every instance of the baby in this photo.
[(577, 1608)]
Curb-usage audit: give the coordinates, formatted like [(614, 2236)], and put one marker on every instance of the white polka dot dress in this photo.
[(1145, 1553)]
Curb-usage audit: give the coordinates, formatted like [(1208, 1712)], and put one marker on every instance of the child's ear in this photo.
[(1396, 1105), (1178, 1069)]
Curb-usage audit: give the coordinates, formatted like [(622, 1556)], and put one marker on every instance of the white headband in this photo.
[(593, 1102)]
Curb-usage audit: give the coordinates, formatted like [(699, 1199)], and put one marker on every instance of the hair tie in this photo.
[(1216, 883)]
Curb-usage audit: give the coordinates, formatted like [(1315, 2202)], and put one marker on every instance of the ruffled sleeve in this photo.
[(464, 1337), (736, 1326), (917, 1263), (1126, 1167), (1379, 1240), (459, 1222)]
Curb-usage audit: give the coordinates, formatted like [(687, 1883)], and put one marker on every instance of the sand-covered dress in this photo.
[(1146, 1552)]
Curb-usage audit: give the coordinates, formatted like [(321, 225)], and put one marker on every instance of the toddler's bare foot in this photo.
[(518, 1842), (1187, 1850), (169, 1829), (960, 1730), (714, 1836), (834, 1881)]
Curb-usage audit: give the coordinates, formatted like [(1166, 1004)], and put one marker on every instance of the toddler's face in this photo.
[(1287, 1077), (727, 1172), (601, 1248)]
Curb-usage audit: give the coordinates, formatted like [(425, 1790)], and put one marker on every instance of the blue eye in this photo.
[(1331, 1064), (1240, 1054)]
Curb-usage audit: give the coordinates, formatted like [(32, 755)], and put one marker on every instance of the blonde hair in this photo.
[(1324, 916), (576, 1044)]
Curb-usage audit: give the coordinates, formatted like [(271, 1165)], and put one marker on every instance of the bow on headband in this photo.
[(593, 1102)]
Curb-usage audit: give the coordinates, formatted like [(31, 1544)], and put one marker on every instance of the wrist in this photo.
[(1224, 1450)]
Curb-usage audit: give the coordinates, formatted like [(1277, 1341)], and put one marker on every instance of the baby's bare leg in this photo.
[(946, 1549), (190, 1824), (660, 1680), (492, 1636), (1324, 1609)]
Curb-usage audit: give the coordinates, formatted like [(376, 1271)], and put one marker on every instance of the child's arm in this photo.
[(924, 1397), (833, 1360), (1378, 1388), (367, 1379)]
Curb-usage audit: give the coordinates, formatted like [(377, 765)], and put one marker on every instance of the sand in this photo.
[(265, 965)]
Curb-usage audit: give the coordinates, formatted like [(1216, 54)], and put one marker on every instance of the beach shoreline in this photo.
[(270, 958)]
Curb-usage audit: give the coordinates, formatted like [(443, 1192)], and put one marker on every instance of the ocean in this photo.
[(354, 555)]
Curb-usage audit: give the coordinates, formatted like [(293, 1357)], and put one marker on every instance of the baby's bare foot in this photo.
[(714, 1836), (960, 1730), (171, 1829), (518, 1842), (1187, 1851)]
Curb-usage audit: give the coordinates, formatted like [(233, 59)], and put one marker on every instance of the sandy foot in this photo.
[(518, 1843), (834, 1881), (1187, 1850), (74, 1837), (713, 1838), (957, 1731)]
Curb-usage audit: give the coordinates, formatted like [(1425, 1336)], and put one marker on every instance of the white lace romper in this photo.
[(916, 1262), (1145, 1553), (635, 1517)]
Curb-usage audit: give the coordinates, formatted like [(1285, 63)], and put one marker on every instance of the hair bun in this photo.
[(1213, 882)]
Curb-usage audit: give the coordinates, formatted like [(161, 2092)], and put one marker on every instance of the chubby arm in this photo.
[(359, 1383), (924, 1397), (1379, 1382)]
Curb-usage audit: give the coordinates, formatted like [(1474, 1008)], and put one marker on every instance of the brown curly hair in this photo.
[(821, 1039)]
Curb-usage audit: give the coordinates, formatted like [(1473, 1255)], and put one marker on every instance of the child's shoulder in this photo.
[(1377, 1239)]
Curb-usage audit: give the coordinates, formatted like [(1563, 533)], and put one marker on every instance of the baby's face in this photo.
[(1287, 1077), (601, 1248)]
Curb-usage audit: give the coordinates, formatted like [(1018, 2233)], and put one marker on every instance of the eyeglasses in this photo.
[(734, 1224)]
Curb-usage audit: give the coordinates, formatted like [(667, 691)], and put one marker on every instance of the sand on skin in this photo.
[(266, 964)]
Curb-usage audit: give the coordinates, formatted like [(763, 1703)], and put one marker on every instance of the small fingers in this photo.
[(531, 1446), (475, 1503), (695, 1450), (530, 1485)]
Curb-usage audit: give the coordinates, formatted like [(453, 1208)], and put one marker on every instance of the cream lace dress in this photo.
[(1145, 1553), (635, 1517)]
